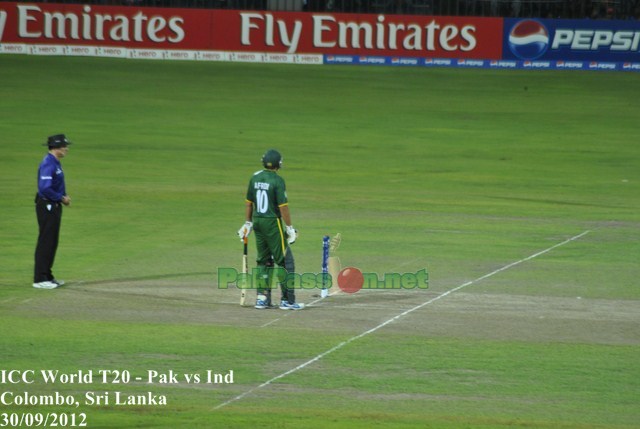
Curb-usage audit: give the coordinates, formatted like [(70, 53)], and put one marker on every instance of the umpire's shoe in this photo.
[(46, 285)]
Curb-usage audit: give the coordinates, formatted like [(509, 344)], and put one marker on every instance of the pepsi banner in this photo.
[(572, 41)]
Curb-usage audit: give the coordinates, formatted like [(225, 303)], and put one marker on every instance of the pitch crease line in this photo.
[(331, 294), (285, 315), (399, 316)]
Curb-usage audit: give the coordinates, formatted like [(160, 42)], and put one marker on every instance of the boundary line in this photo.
[(399, 316)]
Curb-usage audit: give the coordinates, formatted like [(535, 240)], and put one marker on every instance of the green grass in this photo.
[(459, 171)]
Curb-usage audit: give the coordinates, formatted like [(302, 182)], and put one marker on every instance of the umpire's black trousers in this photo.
[(49, 217)]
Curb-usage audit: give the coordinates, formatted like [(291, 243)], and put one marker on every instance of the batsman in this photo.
[(267, 214)]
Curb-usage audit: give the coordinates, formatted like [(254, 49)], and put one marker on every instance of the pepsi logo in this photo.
[(528, 39)]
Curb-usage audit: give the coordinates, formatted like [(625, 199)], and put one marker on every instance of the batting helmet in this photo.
[(272, 159)]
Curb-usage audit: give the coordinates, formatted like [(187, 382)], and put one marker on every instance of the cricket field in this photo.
[(517, 191)]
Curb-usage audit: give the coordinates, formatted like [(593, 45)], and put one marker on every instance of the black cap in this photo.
[(57, 141)]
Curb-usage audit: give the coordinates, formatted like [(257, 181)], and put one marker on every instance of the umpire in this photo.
[(52, 194)]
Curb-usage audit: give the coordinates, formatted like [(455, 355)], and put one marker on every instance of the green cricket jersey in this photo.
[(268, 193)]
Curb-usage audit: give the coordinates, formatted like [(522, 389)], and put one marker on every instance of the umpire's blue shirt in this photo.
[(51, 179)]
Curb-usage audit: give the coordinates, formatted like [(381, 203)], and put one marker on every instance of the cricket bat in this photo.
[(245, 269)]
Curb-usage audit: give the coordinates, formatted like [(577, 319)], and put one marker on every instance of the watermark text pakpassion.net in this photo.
[(349, 280)]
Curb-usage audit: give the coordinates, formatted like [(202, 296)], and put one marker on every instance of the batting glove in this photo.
[(245, 230), (292, 234)]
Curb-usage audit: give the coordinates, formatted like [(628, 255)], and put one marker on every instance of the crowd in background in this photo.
[(572, 9)]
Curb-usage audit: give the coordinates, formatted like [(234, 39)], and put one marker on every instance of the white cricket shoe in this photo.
[(46, 285)]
